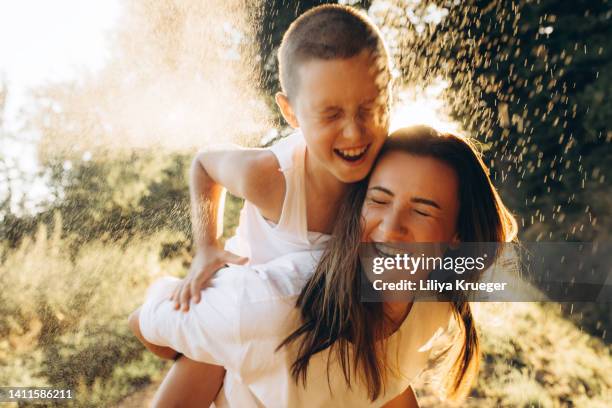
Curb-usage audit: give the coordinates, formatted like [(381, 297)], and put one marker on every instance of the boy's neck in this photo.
[(321, 182)]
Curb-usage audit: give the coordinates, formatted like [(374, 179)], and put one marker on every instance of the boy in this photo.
[(334, 75)]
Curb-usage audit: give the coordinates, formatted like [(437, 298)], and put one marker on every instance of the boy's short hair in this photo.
[(328, 32)]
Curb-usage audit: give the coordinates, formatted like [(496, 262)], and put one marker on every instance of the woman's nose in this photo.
[(396, 229)]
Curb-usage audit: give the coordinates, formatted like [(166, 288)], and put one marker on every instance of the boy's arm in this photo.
[(252, 174)]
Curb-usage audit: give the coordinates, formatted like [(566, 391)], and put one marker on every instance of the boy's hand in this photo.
[(206, 262)]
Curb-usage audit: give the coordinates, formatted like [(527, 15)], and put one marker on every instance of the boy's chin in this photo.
[(352, 175)]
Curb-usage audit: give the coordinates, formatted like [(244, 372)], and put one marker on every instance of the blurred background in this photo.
[(104, 103)]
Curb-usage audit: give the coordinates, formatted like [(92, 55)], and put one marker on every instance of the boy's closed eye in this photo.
[(331, 114), (365, 112), (368, 107)]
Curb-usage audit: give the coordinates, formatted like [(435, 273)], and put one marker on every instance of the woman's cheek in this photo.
[(370, 220), (436, 233), (424, 229)]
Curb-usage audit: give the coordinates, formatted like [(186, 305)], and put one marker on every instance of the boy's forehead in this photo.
[(328, 82), (363, 63)]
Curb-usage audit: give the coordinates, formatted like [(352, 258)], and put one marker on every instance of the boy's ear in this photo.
[(287, 111)]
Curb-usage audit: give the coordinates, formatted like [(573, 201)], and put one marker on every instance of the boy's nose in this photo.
[(352, 130)]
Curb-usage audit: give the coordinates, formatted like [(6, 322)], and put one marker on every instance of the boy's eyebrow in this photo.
[(329, 109)]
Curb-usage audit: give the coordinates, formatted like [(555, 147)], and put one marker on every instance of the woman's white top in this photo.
[(260, 239), (246, 313)]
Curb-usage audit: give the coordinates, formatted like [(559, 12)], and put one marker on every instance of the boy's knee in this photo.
[(133, 322)]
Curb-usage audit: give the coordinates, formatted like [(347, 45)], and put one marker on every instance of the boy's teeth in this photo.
[(353, 152)]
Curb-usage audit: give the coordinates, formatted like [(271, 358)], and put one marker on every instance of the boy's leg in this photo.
[(189, 384)]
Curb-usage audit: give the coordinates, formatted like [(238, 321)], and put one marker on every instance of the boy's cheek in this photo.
[(384, 118), (380, 119)]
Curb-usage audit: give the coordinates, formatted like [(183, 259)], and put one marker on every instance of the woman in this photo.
[(334, 349)]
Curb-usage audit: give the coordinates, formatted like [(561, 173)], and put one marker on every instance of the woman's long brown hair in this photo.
[(331, 310)]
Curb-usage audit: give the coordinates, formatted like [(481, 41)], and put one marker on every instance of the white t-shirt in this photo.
[(246, 313)]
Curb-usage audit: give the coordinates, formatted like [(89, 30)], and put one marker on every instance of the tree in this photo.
[(525, 80)]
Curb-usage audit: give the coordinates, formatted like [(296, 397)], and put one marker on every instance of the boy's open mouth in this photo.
[(352, 155)]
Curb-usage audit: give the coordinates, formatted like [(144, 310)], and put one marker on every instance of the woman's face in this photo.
[(411, 199)]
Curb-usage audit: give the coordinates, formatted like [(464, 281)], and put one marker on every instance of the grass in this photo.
[(63, 311), (534, 357), (63, 316)]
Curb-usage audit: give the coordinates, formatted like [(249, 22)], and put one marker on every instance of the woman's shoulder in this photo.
[(426, 322), (435, 317)]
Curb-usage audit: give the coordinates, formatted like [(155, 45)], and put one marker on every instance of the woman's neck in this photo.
[(397, 312)]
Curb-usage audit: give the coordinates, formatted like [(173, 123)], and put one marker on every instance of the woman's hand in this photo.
[(206, 262), (160, 351)]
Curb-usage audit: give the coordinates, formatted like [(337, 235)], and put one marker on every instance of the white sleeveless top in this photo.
[(260, 239)]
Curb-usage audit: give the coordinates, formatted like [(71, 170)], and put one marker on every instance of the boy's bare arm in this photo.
[(252, 174)]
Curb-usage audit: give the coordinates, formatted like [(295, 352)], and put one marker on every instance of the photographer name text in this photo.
[(436, 286)]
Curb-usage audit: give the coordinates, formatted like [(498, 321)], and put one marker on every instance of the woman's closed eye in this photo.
[(379, 201), (422, 213)]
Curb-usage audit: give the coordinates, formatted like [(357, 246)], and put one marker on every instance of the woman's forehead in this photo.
[(404, 173)]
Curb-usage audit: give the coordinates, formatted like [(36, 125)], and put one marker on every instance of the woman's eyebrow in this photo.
[(425, 201), (384, 190)]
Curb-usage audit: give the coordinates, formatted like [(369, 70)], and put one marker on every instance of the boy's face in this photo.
[(342, 112)]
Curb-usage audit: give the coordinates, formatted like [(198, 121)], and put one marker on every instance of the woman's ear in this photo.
[(286, 110), (454, 244)]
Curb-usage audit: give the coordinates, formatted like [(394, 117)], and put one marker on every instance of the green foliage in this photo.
[(110, 198), (538, 72)]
